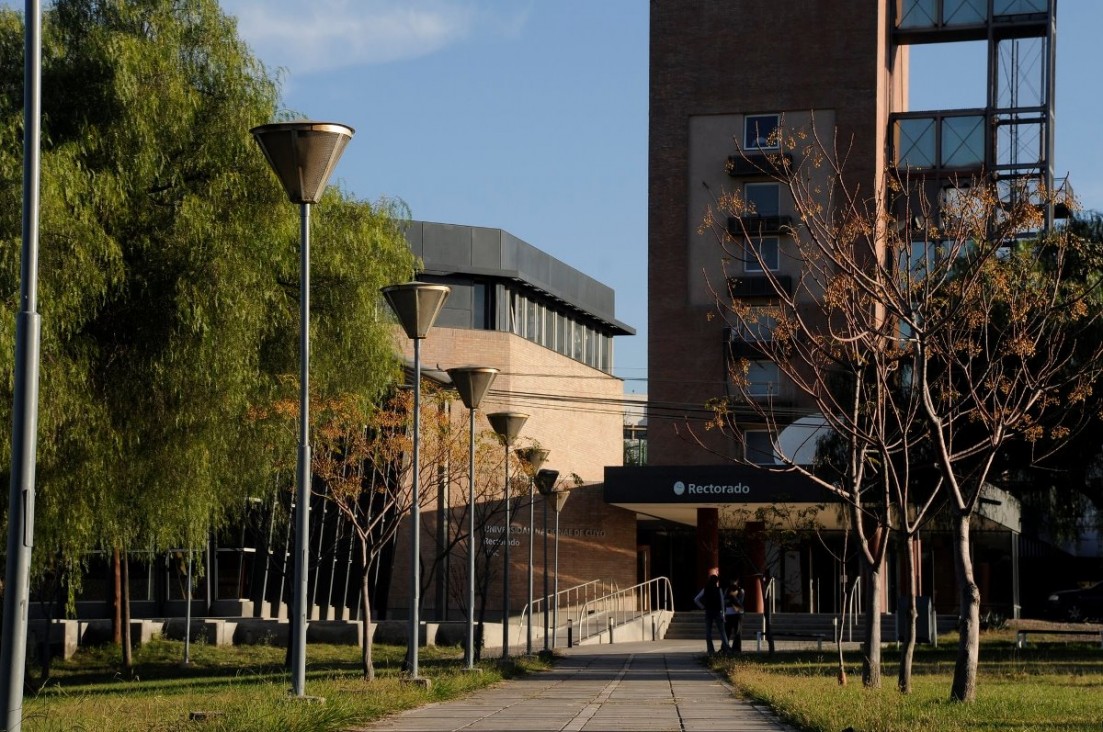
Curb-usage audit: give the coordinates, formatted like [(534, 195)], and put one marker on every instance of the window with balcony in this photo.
[(760, 131), (762, 255), (763, 378), (757, 326), (763, 199)]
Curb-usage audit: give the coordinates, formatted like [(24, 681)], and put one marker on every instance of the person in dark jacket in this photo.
[(733, 615), (711, 600)]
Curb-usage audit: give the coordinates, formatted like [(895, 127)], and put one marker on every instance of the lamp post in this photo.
[(472, 383), (24, 442), (302, 154), (532, 458), (545, 483), (417, 305), (507, 425), (560, 500)]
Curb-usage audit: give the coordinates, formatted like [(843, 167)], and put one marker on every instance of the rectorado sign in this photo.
[(710, 489), (707, 484)]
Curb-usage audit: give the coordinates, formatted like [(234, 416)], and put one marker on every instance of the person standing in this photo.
[(711, 600), (733, 615)]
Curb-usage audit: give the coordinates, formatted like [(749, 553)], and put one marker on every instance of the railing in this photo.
[(565, 601), (624, 606)]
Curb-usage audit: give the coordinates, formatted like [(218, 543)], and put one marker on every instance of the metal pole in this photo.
[(187, 615), (13, 651), (302, 529), (528, 615), (505, 572), (469, 655), (545, 572), (415, 515), (555, 616)]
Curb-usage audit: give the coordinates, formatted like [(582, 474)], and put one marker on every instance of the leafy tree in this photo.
[(169, 276)]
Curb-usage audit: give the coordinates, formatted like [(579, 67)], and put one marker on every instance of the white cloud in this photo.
[(305, 36)]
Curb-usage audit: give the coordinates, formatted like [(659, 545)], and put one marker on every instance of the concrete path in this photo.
[(642, 687)]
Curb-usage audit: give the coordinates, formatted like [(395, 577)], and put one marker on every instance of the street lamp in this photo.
[(532, 458), (302, 155), (24, 439), (417, 305), (472, 383), (507, 425), (560, 499), (545, 483)]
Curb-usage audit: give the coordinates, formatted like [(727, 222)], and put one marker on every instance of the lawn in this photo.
[(243, 688), (1048, 686)]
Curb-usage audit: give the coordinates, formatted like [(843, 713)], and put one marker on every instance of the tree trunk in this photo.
[(117, 598), (366, 664), (128, 653), (871, 658), (904, 678), (484, 578), (968, 651)]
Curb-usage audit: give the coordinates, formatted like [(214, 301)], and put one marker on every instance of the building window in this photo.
[(763, 199), (758, 447), (549, 328), (760, 132), (533, 320), (757, 326), (479, 309), (763, 378), (762, 255)]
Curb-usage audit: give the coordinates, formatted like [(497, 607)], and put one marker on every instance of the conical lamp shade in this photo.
[(472, 382), (507, 424), (303, 155), (417, 305)]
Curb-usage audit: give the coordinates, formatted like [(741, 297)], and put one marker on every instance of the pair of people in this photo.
[(723, 612)]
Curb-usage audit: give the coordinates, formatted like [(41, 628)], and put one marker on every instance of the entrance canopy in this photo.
[(675, 492)]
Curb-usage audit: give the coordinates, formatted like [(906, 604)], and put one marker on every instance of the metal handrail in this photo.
[(625, 605), (563, 600)]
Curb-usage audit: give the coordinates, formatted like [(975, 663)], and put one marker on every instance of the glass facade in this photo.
[(546, 323)]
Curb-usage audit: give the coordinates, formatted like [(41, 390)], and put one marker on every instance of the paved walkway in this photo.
[(644, 687)]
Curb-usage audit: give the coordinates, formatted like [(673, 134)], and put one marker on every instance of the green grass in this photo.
[(246, 687), (1054, 687)]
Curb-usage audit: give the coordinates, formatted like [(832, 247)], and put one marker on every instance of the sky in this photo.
[(531, 116)]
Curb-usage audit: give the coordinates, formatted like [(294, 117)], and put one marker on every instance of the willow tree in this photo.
[(932, 334), (169, 276)]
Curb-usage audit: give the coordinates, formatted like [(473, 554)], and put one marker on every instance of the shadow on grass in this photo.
[(158, 667)]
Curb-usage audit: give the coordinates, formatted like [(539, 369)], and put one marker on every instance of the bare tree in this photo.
[(837, 350), (363, 468), (921, 327)]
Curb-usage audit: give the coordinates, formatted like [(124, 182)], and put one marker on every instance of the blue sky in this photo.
[(531, 115)]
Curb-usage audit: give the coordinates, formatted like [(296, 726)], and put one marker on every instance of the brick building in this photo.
[(723, 79)]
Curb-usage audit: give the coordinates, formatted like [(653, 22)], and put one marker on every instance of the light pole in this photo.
[(560, 500), (507, 425), (472, 383), (24, 441), (302, 155), (545, 483), (417, 305), (532, 458)]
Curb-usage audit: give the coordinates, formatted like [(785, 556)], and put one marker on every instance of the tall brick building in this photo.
[(724, 77)]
